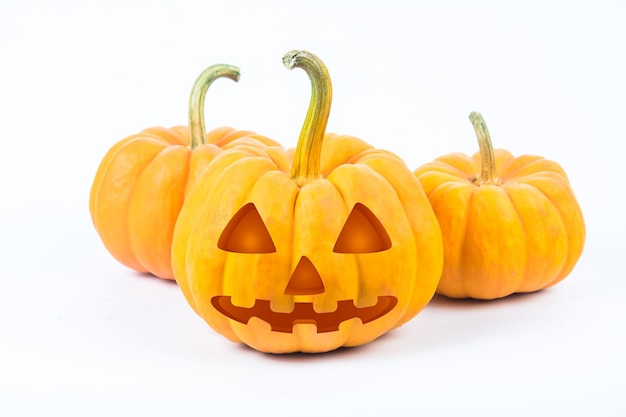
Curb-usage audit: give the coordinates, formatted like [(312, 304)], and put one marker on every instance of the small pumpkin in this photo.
[(509, 224), (308, 251), (142, 181)]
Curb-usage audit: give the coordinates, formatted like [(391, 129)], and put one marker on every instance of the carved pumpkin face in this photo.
[(309, 250), (361, 233)]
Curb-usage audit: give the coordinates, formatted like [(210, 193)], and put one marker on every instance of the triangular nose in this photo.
[(305, 280)]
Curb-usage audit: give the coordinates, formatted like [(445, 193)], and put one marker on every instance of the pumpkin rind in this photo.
[(523, 233)]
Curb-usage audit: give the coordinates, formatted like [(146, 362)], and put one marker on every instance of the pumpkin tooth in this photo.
[(243, 299), (366, 300), (283, 305), (325, 305)]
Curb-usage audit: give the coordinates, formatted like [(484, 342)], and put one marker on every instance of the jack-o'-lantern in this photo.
[(310, 250)]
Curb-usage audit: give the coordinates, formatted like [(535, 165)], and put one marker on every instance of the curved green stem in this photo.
[(307, 158), (487, 156), (197, 128)]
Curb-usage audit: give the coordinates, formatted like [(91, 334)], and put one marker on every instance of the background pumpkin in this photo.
[(509, 224), (142, 181), (331, 246)]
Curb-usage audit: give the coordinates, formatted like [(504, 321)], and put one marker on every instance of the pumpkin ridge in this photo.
[(545, 165), (541, 176), (195, 297), (190, 174), (280, 157), (563, 228), (215, 135), (182, 132), (293, 207), (429, 181), (145, 135), (511, 169), (463, 243), (135, 244), (442, 167), (383, 157), (349, 324), (515, 252), (351, 337), (168, 135), (503, 166), (566, 256), (524, 235), (186, 286), (134, 262), (235, 328), (234, 134), (131, 199), (375, 154), (105, 164), (459, 162), (242, 197), (440, 198), (292, 236), (444, 184)]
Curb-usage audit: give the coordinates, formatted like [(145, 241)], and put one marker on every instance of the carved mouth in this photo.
[(304, 313)]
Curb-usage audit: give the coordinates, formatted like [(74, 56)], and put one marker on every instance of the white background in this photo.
[(81, 335)]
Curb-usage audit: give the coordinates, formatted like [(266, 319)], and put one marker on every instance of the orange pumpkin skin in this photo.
[(139, 189), (519, 232)]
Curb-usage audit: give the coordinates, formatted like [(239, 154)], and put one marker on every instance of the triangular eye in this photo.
[(246, 233), (362, 233)]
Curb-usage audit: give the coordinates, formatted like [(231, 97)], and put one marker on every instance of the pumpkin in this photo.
[(142, 180), (509, 224), (309, 250)]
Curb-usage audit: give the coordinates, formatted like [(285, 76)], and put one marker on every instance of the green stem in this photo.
[(197, 128), (487, 156), (307, 158)]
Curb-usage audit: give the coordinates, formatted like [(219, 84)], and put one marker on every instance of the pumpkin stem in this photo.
[(197, 128), (307, 158), (487, 156)]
